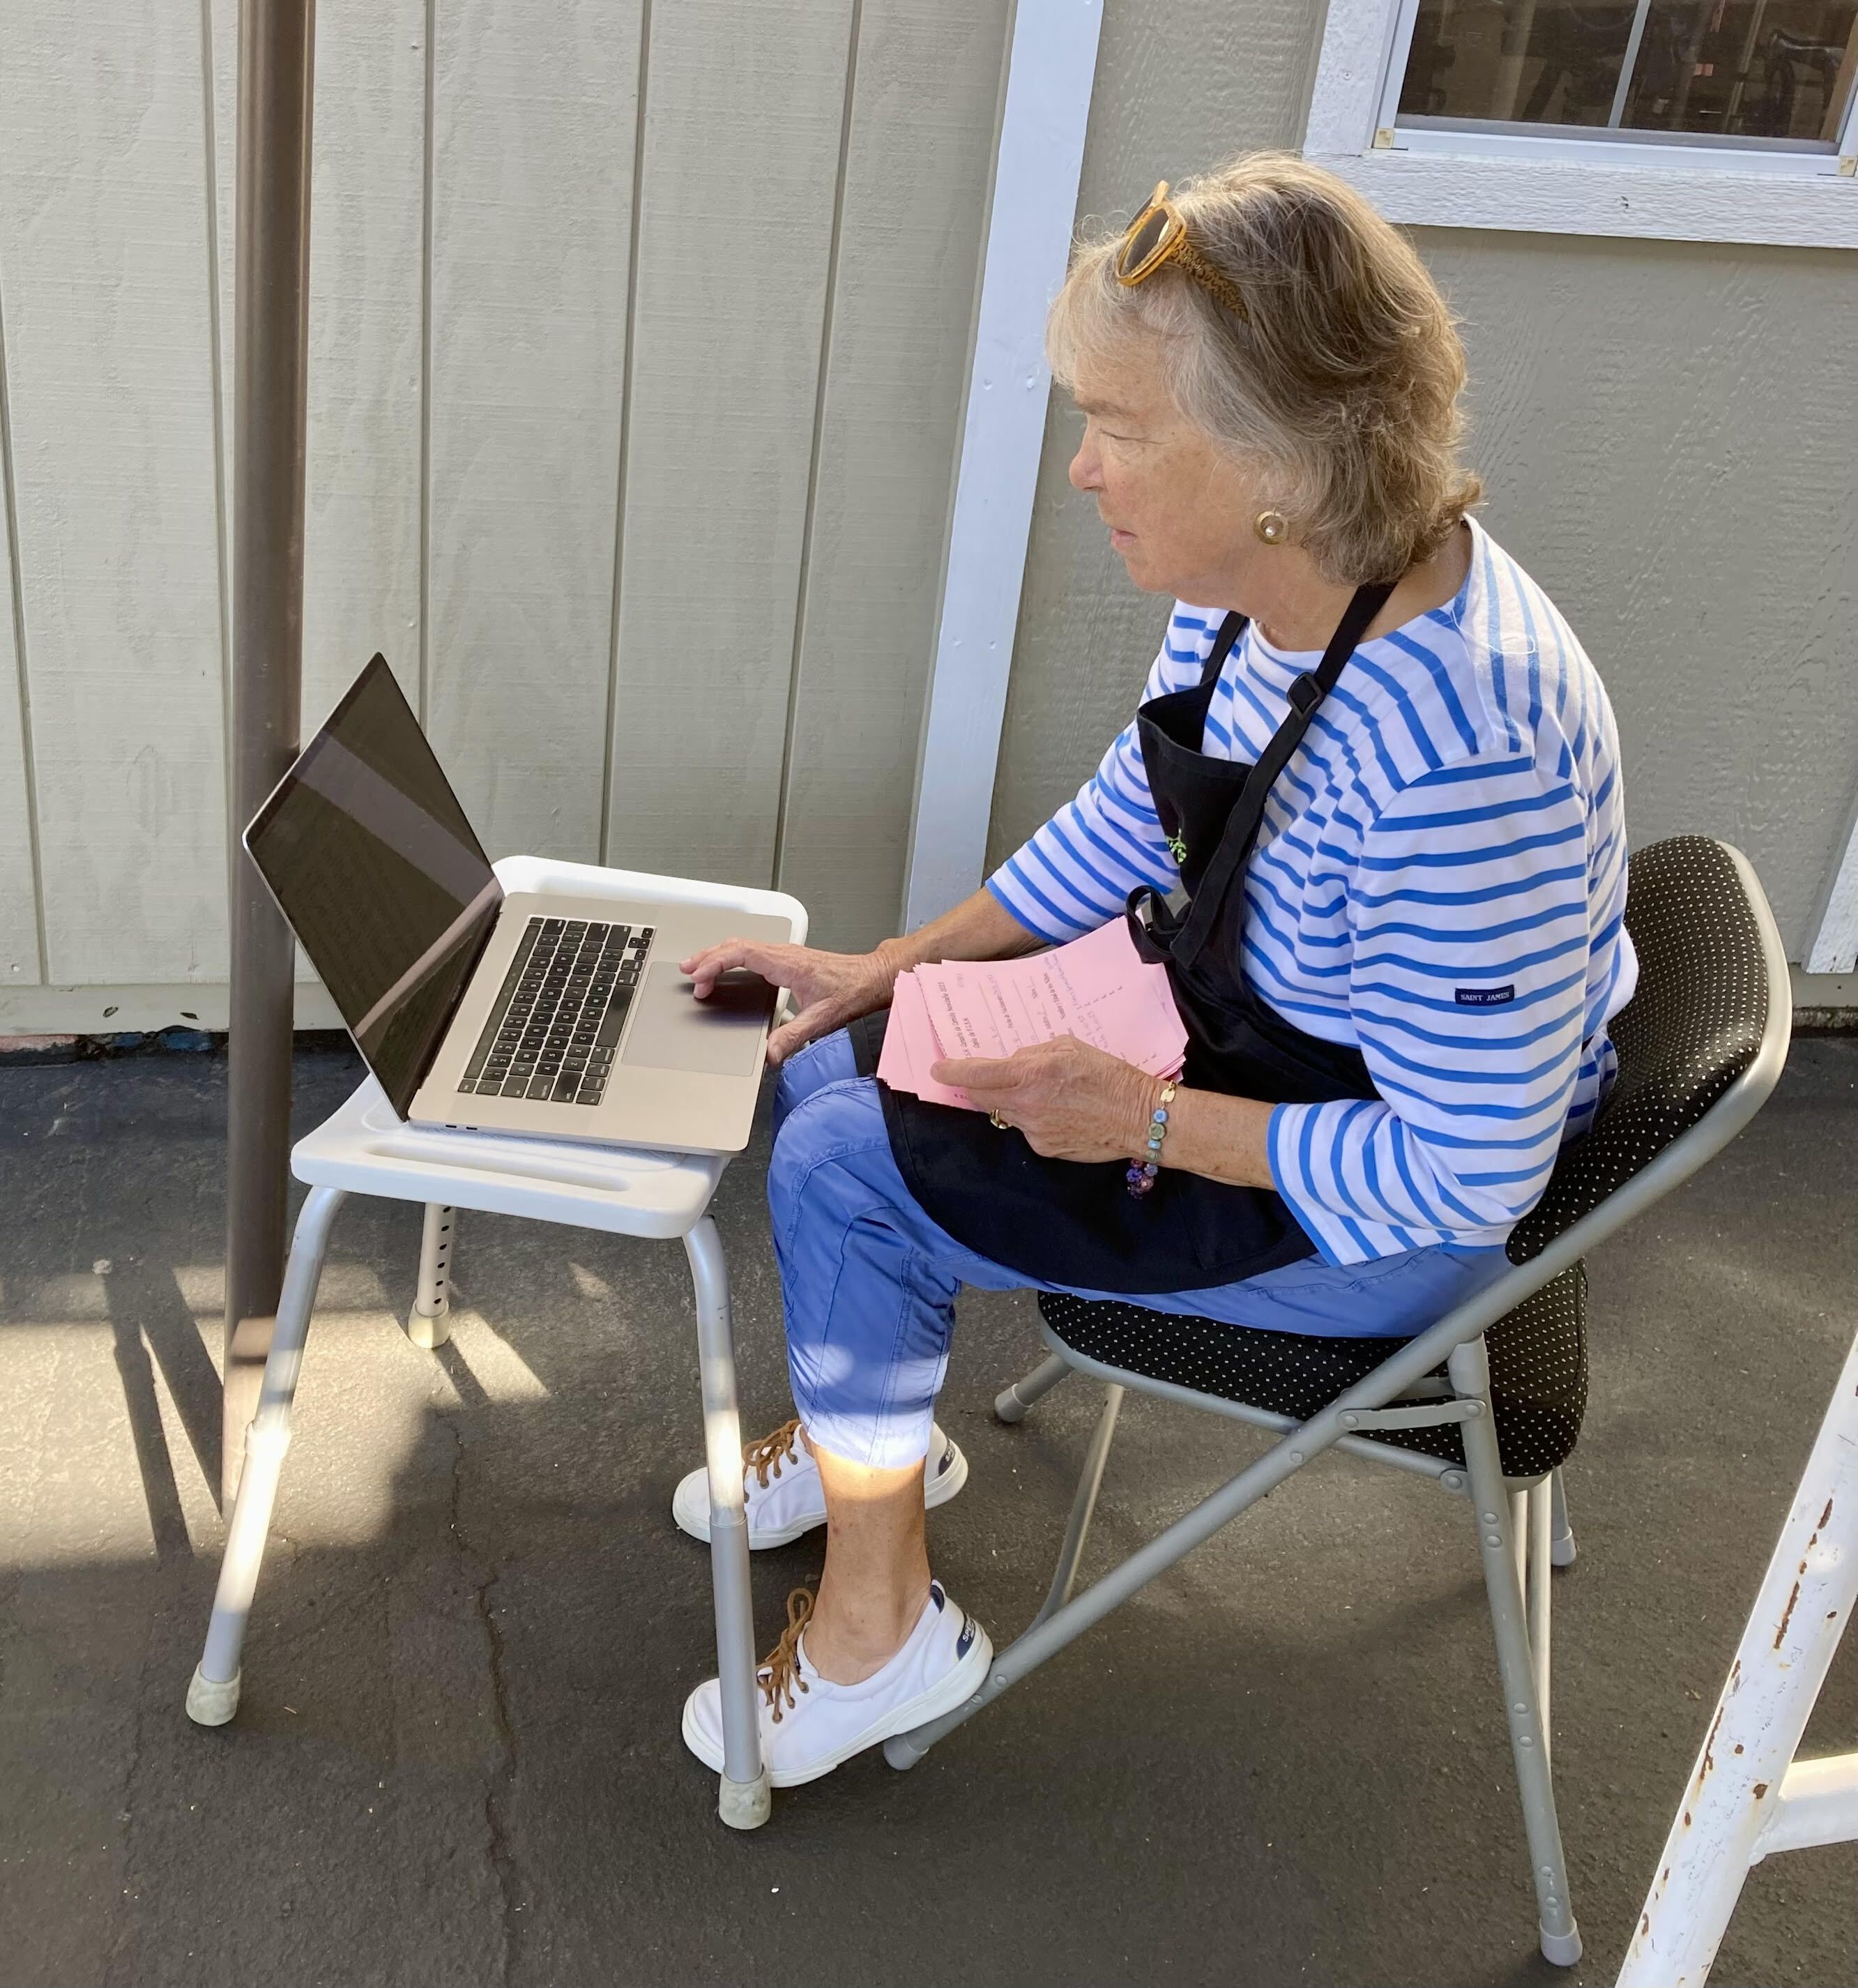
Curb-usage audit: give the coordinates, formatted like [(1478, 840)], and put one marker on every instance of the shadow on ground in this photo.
[(458, 1759)]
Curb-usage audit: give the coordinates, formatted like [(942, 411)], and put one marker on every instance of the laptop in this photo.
[(561, 1016)]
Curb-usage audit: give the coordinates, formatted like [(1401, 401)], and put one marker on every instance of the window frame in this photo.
[(1537, 181)]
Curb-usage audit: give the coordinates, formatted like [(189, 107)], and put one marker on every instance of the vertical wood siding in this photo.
[(638, 335), (106, 285), (534, 109), (743, 114), (890, 424), (20, 963)]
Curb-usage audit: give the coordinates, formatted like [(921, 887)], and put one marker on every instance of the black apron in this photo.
[(1069, 1222)]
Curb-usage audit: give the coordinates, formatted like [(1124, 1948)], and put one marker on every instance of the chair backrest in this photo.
[(1701, 1044)]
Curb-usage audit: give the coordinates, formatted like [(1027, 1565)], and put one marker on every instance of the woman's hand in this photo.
[(1073, 1102), (828, 989)]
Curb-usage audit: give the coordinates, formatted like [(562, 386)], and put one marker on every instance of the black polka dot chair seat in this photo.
[(1488, 1401), (1538, 1368)]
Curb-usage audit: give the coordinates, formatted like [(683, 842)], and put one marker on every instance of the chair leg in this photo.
[(212, 1695), (1010, 1404), (1560, 1937), (1064, 1576), (1536, 1594), (743, 1796), (1561, 1534), (426, 1322)]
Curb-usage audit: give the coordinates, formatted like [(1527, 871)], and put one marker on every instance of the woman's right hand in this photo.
[(828, 989)]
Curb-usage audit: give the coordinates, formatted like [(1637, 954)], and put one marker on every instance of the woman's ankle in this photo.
[(848, 1647)]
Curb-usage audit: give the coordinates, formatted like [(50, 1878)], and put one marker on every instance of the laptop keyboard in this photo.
[(555, 1027)]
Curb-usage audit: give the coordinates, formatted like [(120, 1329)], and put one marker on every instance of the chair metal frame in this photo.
[(1521, 1525)]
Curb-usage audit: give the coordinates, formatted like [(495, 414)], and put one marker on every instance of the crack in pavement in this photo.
[(500, 1844)]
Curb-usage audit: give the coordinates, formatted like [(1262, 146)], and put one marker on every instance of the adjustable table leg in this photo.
[(428, 1324), (742, 1798), (212, 1697)]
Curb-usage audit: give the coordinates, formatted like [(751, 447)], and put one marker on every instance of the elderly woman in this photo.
[(1383, 774)]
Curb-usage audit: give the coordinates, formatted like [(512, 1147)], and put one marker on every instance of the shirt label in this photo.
[(1485, 997)]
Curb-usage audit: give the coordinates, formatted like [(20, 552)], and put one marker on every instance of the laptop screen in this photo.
[(365, 846)]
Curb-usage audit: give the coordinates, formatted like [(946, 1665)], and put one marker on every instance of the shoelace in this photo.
[(772, 1451), (780, 1671)]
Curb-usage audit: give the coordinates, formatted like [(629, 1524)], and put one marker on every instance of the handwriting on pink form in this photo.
[(1098, 988)]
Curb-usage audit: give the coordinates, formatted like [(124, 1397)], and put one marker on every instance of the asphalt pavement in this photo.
[(458, 1759)]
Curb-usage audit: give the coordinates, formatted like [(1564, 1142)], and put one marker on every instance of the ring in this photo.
[(997, 1122)]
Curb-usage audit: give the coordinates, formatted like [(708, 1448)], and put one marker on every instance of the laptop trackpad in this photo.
[(721, 1037)]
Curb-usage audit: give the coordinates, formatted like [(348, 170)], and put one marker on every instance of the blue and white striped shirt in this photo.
[(1440, 878)]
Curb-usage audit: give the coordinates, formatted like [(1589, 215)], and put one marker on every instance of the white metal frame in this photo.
[(1534, 181), (1040, 156), (1748, 1797), (365, 1149)]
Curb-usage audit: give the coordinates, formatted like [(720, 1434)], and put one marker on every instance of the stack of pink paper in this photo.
[(1098, 988)]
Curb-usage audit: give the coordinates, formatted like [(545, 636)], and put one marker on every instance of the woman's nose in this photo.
[(1085, 472)]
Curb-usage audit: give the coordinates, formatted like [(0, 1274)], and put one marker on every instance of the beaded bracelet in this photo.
[(1142, 1172)]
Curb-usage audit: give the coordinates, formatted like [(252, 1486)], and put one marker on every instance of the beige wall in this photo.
[(1667, 432), (738, 378), (639, 339)]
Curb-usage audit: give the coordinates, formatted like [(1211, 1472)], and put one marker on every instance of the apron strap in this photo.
[(1306, 694), (1230, 630)]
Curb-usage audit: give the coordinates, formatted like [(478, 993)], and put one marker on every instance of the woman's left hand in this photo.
[(1073, 1102)]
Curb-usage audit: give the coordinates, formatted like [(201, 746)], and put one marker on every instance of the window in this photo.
[(1750, 76), (1700, 119)]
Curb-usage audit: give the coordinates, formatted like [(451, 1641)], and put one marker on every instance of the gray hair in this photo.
[(1341, 379)]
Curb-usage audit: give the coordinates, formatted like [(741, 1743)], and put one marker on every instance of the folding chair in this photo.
[(1489, 1399)]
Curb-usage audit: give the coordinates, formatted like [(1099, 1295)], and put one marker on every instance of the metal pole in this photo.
[(276, 72)]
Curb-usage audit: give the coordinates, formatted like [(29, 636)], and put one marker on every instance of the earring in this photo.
[(1271, 528)]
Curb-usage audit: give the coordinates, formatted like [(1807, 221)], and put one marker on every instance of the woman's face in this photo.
[(1180, 511)]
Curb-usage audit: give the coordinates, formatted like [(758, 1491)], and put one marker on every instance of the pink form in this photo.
[(1098, 988), (910, 1047)]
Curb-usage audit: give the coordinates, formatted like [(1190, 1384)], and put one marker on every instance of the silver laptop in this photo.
[(563, 1017)]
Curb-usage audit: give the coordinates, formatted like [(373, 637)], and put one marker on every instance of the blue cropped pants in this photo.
[(868, 1281)]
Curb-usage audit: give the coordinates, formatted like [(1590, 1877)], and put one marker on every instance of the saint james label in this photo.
[(1485, 997)]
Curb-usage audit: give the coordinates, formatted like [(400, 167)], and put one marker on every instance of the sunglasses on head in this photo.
[(1156, 237)]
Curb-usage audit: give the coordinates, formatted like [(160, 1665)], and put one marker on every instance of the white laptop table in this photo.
[(365, 1149)]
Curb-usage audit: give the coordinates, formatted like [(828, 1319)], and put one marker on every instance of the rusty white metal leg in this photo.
[(427, 1323), (1748, 1797)]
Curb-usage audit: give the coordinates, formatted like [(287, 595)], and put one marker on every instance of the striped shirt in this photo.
[(1440, 879)]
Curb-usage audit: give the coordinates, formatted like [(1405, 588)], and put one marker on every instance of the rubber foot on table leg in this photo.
[(209, 1703), (429, 1332), (743, 1804), (1561, 1949)]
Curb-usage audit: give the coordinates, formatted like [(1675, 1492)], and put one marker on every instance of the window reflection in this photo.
[(1773, 70)]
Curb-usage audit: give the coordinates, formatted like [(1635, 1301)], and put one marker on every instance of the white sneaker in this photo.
[(784, 1493), (809, 1725)]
